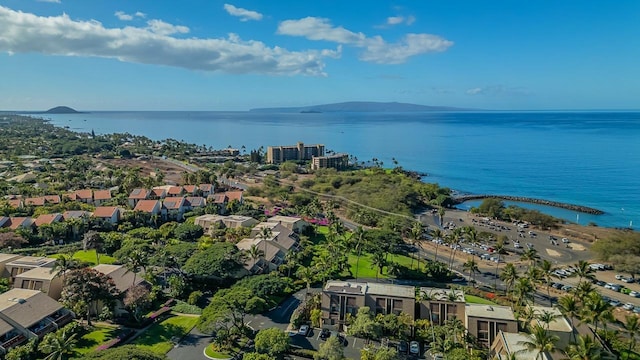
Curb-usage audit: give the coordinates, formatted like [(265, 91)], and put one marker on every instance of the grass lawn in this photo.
[(626, 355), (158, 337), (472, 299), (365, 265), (320, 235), (216, 354), (89, 256), (90, 341)]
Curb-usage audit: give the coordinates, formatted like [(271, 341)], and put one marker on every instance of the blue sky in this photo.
[(236, 55)]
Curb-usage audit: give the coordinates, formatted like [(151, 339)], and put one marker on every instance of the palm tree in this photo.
[(524, 290), (455, 238), (265, 234), (582, 290), (569, 307), (546, 272), (595, 310), (136, 261), (472, 267), (437, 234), (359, 234), (587, 348), (64, 263), (416, 235), (499, 249), (540, 341), (530, 255), (455, 328), (307, 275), (632, 327), (93, 240), (547, 317), (58, 345), (378, 261), (441, 213), (583, 271), (254, 253), (509, 276)]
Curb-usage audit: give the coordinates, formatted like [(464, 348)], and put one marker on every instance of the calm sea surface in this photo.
[(585, 158)]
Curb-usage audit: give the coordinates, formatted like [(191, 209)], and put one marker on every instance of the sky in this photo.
[(242, 54)]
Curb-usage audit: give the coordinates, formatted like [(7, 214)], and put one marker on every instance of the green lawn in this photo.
[(472, 299), (367, 271), (158, 337), (216, 354), (626, 355), (90, 341), (89, 256)]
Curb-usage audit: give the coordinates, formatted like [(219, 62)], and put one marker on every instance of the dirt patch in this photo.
[(172, 173), (553, 253), (578, 247)]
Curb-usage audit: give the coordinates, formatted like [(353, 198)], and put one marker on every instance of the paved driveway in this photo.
[(191, 347)]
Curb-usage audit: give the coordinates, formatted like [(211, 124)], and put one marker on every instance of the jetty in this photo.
[(583, 209)]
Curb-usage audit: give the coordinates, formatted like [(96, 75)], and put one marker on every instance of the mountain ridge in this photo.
[(361, 106)]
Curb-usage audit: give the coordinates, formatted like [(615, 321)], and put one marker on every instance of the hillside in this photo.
[(361, 106)]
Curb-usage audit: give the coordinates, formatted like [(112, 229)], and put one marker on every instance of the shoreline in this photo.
[(580, 208)]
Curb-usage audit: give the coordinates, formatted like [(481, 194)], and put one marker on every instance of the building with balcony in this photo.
[(440, 305), (44, 279), (335, 161), (485, 322), (300, 151)]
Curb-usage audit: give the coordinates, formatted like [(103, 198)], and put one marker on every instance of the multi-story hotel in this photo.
[(336, 161), (300, 151)]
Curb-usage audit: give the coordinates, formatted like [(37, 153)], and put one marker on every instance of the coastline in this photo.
[(580, 208)]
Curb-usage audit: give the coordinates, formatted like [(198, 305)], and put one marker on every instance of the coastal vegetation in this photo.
[(495, 209)]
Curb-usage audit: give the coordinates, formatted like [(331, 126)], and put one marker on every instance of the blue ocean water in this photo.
[(585, 158)]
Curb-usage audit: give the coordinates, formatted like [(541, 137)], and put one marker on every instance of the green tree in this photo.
[(125, 352), (58, 345), (137, 300), (547, 272), (509, 276), (631, 326), (378, 262), (93, 240), (586, 348), (332, 349), (471, 266), (568, 305), (188, 232), (360, 241), (256, 356), (84, 287), (540, 341), (273, 341), (218, 261), (364, 325)]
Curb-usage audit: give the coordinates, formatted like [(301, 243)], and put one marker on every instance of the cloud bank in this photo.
[(243, 14), (60, 35), (375, 49)]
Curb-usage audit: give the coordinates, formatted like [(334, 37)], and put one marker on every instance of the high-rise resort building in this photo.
[(335, 161), (300, 151)]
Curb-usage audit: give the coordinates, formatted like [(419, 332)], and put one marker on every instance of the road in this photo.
[(191, 347)]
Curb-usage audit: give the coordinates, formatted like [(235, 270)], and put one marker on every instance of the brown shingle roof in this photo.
[(27, 307), (139, 194), (146, 205), (190, 188), (122, 277), (234, 195), (102, 195), (159, 192), (105, 211), (196, 201), (206, 187), (75, 214), (219, 198), (173, 203), (38, 201), (84, 194), (52, 199), (47, 219), (15, 203), (16, 222)]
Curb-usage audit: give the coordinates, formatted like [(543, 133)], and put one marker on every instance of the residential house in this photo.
[(175, 191), (275, 248), (4, 220), (209, 221), (153, 207), (484, 322), (15, 203), (84, 195), (206, 189), (52, 199), (191, 190), (560, 326), (158, 193), (48, 219), (440, 305), (34, 201), (123, 279), (100, 196), (173, 208), (76, 214), (4, 260), (23, 264), (510, 346), (20, 222), (27, 314), (192, 202), (44, 279), (292, 223), (137, 195), (340, 298), (234, 195), (110, 214)]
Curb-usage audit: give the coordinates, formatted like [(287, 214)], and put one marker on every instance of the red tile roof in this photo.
[(39, 201), (106, 211), (206, 187), (47, 219), (139, 194), (220, 198), (173, 203), (71, 196), (234, 195), (190, 188), (16, 222), (85, 194), (74, 214), (102, 195), (175, 190), (159, 192), (146, 205), (52, 199), (15, 203)]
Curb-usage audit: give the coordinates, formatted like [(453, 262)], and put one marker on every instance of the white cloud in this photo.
[(474, 91), (128, 17), (395, 20), (243, 14), (61, 35), (376, 49), (498, 90), (123, 16), (164, 28), (51, 1), (410, 20)]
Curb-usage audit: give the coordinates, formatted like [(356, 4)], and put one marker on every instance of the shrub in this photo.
[(194, 297), (185, 308)]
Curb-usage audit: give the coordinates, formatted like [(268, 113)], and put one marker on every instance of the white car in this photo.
[(619, 277), (565, 240), (628, 306), (634, 294)]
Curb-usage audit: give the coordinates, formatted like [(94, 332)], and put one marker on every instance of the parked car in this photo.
[(600, 283), (414, 347), (324, 334), (304, 330), (529, 246), (403, 347), (557, 285), (627, 280), (619, 277), (614, 302), (341, 338), (567, 288), (565, 240), (634, 294), (628, 306)]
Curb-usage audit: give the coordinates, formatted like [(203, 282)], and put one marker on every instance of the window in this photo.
[(352, 307), (334, 306), (381, 304), (435, 313), (397, 307), (37, 285), (483, 331)]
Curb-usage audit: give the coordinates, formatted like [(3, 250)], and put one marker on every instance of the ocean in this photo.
[(584, 158)]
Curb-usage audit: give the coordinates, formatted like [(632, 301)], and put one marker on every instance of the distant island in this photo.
[(360, 106), (61, 110)]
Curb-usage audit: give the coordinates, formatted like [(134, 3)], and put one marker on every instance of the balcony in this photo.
[(42, 330), (14, 341), (62, 320)]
